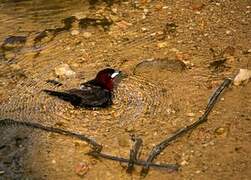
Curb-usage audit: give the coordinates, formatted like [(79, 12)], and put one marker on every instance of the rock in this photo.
[(123, 24), (183, 163), (74, 32), (198, 172), (64, 70), (160, 65), (87, 35), (12, 42), (114, 10), (242, 77), (143, 29), (228, 32), (130, 128), (162, 44), (79, 15), (221, 131), (81, 168), (190, 114)]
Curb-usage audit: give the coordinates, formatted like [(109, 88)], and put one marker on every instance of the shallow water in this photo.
[(162, 86), (45, 43)]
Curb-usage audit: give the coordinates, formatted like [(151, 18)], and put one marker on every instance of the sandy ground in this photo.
[(175, 54)]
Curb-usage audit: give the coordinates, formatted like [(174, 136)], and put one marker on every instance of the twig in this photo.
[(162, 145), (171, 167), (10, 122), (134, 153)]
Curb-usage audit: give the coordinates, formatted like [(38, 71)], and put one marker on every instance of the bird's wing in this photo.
[(92, 96)]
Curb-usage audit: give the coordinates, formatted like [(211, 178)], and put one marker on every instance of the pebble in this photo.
[(221, 131), (143, 29), (123, 24), (79, 15), (87, 35), (114, 10), (64, 70), (74, 32), (2, 172), (191, 114), (81, 168), (242, 77), (162, 44), (183, 163), (130, 128), (228, 32), (198, 172)]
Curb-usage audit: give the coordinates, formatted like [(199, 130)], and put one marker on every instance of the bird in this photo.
[(97, 92)]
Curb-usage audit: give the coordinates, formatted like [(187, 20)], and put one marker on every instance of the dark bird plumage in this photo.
[(94, 93)]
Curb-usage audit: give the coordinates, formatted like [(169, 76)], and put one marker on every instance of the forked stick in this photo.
[(162, 145)]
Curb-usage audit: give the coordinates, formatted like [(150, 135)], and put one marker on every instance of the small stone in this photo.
[(114, 10), (242, 77), (81, 168), (64, 70), (74, 32), (87, 35), (79, 15), (115, 18), (144, 29), (190, 114), (198, 172), (174, 50), (183, 163), (2, 172), (221, 131), (130, 128), (228, 32), (162, 44), (158, 7), (123, 24), (53, 161)]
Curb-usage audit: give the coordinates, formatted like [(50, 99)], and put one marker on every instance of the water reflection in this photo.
[(27, 15)]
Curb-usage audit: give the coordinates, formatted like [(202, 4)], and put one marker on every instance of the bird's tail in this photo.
[(63, 95)]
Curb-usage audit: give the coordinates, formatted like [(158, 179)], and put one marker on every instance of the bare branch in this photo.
[(162, 145)]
